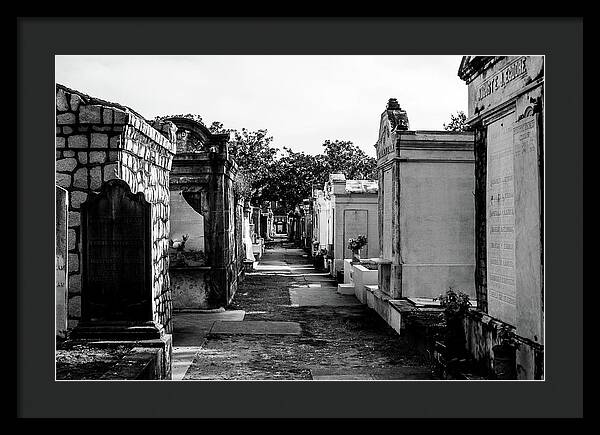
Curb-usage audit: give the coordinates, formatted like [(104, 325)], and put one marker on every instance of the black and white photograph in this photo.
[(251, 217), (317, 218)]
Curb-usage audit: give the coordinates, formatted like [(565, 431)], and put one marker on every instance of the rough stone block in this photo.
[(73, 263), (60, 142), (77, 198), (99, 140), (80, 179), (74, 219), (75, 101), (68, 153), (75, 306), (113, 156), (66, 165), (72, 237), (89, 115), (97, 156), (65, 118), (120, 117), (95, 178), (67, 130), (107, 116), (74, 284), (110, 172), (63, 180), (77, 141), (82, 157), (61, 100)]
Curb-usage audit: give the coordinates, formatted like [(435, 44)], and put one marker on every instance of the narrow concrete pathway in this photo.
[(287, 322)]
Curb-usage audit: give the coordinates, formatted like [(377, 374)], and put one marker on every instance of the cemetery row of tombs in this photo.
[(148, 221)]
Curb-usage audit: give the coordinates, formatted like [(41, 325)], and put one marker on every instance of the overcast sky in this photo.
[(301, 100)]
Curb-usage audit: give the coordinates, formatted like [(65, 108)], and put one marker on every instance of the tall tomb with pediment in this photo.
[(206, 238), (506, 112), (425, 208)]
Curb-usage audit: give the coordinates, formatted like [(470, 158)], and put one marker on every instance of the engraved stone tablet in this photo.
[(116, 264), (501, 221), (528, 276)]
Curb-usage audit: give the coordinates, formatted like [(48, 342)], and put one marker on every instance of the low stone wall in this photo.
[(97, 141)]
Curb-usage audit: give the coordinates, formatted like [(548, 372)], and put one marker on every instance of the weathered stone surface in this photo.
[(65, 118), (68, 153), (74, 219), (97, 156), (63, 180), (95, 178), (77, 141), (120, 117), (66, 165), (115, 141), (257, 327), (67, 130), (90, 115), (72, 238), (75, 306), (61, 100), (74, 284), (77, 198), (107, 116), (110, 172), (60, 142), (80, 179), (75, 101), (99, 140), (73, 263)]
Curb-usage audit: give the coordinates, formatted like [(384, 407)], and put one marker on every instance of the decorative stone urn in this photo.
[(356, 256)]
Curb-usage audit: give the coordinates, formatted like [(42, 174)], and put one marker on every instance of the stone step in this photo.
[(345, 289)]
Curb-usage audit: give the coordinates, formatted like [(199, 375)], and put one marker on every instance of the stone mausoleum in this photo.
[(206, 239), (114, 167), (506, 112), (353, 208), (426, 209)]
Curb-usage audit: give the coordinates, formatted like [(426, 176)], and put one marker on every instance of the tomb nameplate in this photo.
[(116, 281), (355, 223), (501, 221)]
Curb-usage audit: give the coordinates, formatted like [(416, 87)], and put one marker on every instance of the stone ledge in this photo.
[(345, 289)]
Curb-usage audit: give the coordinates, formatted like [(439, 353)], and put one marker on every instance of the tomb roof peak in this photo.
[(397, 117)]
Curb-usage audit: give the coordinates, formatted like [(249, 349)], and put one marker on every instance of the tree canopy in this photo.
[(457, 122), (289, 177)]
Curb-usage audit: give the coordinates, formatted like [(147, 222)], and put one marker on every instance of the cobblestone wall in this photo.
[(97, 141)]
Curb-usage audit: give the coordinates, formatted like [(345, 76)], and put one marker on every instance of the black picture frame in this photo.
[(560, 40)]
